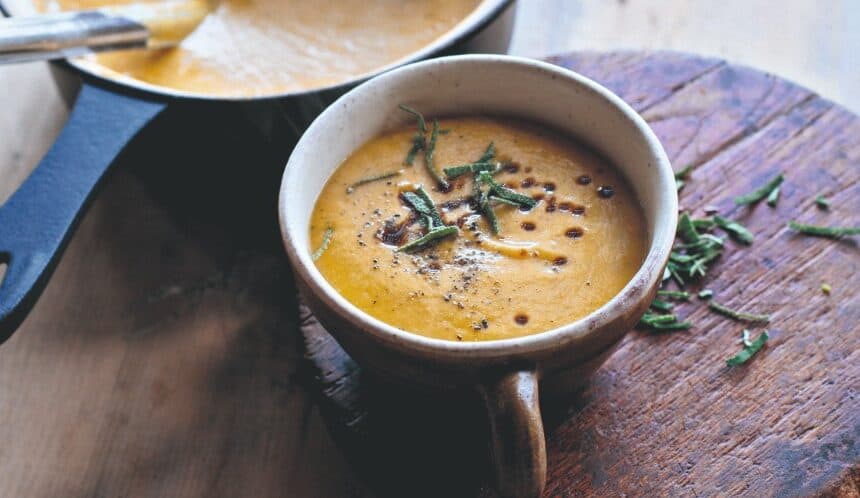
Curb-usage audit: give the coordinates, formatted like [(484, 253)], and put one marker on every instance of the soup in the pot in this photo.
[(260, 47), (487, 241)]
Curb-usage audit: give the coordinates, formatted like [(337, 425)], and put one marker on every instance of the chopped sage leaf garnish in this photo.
[(706, 294), (325, 242), (419, 142), (737, 315), (656, 321), (429, 238), (773, 197), (826, 288), (423, 204), (822, 203), (687, 230), (659, 305), (819, 231), (680, 175), (672, 326), (428, 157), (455, 171), (504, 192), (735, 229), (503, 201), (703, 224), (761, 193), (371, 179), (749, 350), (489, 154), (679, 295)]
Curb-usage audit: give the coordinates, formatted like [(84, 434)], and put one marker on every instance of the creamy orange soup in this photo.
[(258, 47), (547, 266)]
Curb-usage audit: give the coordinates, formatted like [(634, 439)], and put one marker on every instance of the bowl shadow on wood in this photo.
[(402, 438)]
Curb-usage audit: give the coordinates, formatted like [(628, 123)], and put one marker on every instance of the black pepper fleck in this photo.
[(605, 191)]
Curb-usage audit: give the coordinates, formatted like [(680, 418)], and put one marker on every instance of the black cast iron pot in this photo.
[(38, 219)]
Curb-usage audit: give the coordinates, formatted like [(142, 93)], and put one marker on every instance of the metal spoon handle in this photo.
[(62, 35)]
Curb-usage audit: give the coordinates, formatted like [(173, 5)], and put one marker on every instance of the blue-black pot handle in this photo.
[(37, 220)]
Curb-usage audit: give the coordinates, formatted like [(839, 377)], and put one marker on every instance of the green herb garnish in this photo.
[(455, 171), (819, 231), (679, 295), (737, 315), (773, 197), (429, 238), (428, 157), (659, 305), (687, 230), (370, 179), (690, 260), (503, 192), (503, 201), (488, 154), (750, 349), (419, 142), (325, 242), (758, 195), (706, 294), (822, 203), (663, 322), (422, 203), (735, 229), (825, 288)]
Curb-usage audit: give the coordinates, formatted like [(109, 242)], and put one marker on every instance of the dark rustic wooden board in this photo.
[(665, 416)]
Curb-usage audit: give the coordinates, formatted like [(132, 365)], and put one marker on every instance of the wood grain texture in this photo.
[(665, 416)]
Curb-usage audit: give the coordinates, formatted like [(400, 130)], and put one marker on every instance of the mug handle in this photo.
[(37, 220), (516, 433)]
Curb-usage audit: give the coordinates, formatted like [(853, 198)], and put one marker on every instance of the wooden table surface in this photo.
[(665, 416), (163, 359)]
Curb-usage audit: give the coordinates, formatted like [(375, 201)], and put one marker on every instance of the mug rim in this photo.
[(635, 290)]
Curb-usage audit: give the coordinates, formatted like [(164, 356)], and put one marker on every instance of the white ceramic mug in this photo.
[(508, 373)]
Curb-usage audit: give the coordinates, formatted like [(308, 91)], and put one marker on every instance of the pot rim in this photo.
[(484, 14), (639, 288)]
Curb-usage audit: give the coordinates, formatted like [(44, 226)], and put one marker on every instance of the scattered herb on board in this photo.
[(419, 141), (826, 289), (737, 315), (655, 321), (325, 242), (761, 193), (371, 179), (735, 229), (819, 231), (428, 157), (678, 295), (822, 203), (773, 197), (690, 259), (680, 176), (660, 305), (750, 349), (706, 294)]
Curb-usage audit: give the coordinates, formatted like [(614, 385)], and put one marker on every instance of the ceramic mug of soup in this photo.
[(446, 273)]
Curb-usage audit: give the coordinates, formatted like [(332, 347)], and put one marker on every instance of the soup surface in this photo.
[(547, 266), (259, 47)]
